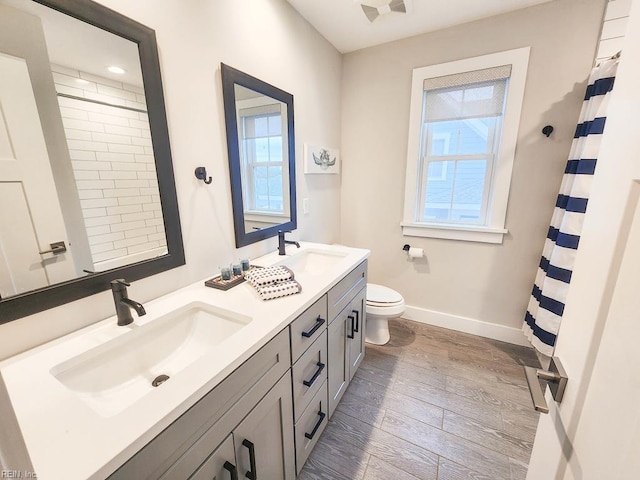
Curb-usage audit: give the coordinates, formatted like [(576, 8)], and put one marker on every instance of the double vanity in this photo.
[(208, 384)]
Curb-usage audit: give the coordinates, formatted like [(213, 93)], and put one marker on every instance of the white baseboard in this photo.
[(466, 325)]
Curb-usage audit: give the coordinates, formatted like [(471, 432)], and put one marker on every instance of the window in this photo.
[(263, 154), (462, 134)]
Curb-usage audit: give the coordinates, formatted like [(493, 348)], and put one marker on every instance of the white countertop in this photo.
[(66, 439)]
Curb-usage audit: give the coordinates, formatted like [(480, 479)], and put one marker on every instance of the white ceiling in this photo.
[(80, 46), (345, 25)]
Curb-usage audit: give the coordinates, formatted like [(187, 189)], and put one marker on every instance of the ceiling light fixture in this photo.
[(372, 12), (117, 70)]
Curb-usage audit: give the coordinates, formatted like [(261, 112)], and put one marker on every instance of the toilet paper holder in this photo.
[(413, 253)]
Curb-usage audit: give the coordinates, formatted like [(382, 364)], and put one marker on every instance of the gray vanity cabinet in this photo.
[(347, 317), (355, 335), (346, 347), (264, 439), (263, 443), (263, 420), (253, 403), (309, 377), (310, 425), (220, 465), (308, 327), (338, 365)]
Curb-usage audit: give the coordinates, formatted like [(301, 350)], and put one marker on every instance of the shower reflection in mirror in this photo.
[(80, 169)]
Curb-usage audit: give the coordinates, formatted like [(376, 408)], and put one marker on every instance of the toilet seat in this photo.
[(389, 310), (384, 302), (380, 296)]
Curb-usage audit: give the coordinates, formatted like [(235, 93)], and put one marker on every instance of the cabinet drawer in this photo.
[(309, 373), (311, 424), (308, 327), (347, 288), (235, 395)]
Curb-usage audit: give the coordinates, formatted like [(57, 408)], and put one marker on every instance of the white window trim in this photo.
[(443, 173), (494, 230), (256, 102)]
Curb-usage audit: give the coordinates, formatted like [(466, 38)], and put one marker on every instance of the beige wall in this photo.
[(489, 283), (267, 39)]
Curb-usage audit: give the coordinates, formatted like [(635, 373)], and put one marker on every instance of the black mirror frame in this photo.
[(44, 298), (230, 78)]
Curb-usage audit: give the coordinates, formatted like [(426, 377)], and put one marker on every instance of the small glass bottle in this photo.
[(225, 273), (237, 269), (245, 264)]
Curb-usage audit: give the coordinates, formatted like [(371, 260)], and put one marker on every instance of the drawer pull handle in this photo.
[(312, 380), (251, 474), (353, 328), (319, 322), (357, 312), (321, 414), (231, 468)]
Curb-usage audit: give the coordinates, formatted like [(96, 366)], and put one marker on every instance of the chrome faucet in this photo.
[(123, 303), (282, 243)]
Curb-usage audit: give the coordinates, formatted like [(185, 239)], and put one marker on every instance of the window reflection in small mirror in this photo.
[(262, 139)]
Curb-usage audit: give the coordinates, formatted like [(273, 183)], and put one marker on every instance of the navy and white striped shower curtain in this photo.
[(546, 304)]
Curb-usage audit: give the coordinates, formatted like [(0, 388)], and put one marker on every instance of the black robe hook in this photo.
[(547, 130), (201, 174)]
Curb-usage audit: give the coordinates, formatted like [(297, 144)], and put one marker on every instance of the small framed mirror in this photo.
[(261, 146)]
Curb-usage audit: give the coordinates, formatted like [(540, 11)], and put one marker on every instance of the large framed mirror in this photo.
[(261, 146), (87, 192)]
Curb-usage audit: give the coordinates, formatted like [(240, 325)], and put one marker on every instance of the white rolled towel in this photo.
[(277, 290), (259, 277)]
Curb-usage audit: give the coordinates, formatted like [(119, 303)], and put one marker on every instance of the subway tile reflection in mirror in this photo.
[(76, 160)]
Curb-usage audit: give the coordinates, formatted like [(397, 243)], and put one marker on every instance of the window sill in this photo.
[(453, 232), (263, 216)]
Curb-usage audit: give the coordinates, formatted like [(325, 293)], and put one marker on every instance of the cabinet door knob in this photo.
[(251, 474), (231, 468)]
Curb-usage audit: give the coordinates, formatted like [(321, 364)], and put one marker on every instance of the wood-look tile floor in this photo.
[(432, 404)]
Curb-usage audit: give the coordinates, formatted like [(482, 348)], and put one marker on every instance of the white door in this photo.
[(595, 432), (30, 215)]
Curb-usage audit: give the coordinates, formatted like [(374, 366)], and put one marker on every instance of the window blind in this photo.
[(465, 78), (476, 94)]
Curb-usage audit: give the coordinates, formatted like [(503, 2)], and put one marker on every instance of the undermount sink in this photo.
[(117, 373), (313, 261)]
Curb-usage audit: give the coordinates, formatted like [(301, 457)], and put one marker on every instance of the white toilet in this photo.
[(382, 304)]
